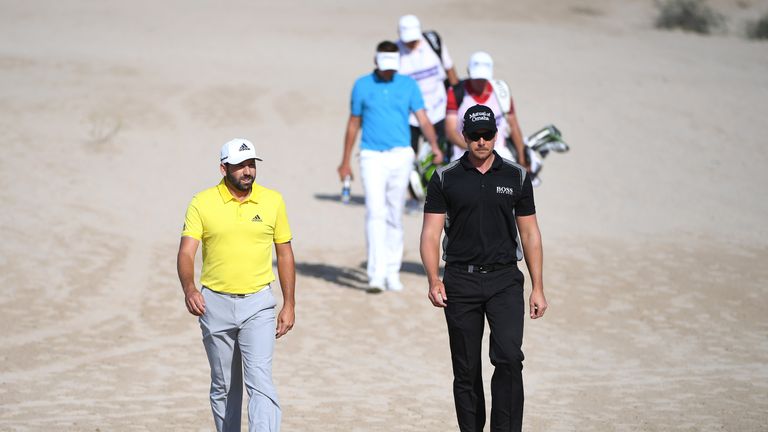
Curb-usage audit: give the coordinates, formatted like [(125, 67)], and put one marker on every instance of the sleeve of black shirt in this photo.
[(525, 205), (435, 201)]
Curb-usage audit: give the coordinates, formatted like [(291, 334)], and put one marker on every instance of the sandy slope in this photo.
[(654, 225)]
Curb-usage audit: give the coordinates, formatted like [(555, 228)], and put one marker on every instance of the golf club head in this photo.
[(546, 133), (547, 146), (541, 133)]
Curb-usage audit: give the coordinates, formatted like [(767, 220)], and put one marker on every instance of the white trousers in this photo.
[(239, 339), (385, 180)]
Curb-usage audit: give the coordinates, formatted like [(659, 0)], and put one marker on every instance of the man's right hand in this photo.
[(437, 294), (526, 164), (195, 302), (344, 170), (438, 155)]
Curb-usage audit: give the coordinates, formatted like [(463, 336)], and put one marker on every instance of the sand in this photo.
[(654, 229)]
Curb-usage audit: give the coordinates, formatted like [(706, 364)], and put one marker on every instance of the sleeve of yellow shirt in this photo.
[(193, 225), (282, 229)]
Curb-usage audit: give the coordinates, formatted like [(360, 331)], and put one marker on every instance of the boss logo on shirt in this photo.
[(505, 190), (256, 218)]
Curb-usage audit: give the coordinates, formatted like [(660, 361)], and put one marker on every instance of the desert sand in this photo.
[(654, 225)]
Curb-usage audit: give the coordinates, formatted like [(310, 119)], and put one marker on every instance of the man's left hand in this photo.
[(537, 304), (285, 320)]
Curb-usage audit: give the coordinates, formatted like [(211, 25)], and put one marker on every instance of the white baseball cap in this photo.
[(409, 28), (480, 66), (238, 150), (388, 61)]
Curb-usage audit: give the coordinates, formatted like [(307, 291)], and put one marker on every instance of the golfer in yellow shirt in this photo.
[(237, 222)]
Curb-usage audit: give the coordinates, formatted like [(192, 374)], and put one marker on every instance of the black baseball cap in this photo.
[(479, 117)]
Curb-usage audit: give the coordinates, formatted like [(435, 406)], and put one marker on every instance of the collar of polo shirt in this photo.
[(226, 195)]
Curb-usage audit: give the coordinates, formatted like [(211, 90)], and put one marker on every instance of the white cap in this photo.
[(409, 28), (388, 61), (238, 150), (480, 66)]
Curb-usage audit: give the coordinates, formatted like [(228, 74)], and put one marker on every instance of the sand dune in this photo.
[(654, 229)]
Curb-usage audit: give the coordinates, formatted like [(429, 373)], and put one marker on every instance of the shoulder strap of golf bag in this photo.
[(434, 42), (501, 91), (458, 92)]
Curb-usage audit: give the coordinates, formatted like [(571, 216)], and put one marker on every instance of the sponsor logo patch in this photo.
[(505, 190), (479, 116)]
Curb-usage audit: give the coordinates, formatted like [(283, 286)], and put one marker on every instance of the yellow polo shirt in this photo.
[(237, 237)]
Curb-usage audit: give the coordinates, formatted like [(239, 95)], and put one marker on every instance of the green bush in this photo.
[(688, 15), (759, 29)]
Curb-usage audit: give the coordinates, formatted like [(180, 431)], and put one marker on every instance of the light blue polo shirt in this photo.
[(384, 107)]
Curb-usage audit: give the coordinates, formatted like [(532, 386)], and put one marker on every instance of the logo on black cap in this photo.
[(479, 117)]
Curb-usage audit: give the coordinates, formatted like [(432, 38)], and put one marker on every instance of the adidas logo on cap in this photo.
[(244, 147)]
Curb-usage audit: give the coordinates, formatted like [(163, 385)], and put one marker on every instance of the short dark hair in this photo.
[(386, 46)]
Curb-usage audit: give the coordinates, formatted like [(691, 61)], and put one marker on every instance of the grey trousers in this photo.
[(239, 339)]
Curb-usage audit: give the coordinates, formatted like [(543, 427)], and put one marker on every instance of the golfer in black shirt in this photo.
[(482, 201)]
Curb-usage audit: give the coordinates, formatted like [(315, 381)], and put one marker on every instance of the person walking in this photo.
[(237, 222), (482, 89), (424, 57), (482, 200), (381, 102)]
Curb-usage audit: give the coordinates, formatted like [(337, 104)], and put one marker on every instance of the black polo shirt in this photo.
[(480, 210)]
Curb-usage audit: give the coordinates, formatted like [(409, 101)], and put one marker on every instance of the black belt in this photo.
[(481, 268)]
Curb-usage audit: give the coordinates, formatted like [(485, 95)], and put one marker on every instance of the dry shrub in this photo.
[(758, 29), (688, 15)]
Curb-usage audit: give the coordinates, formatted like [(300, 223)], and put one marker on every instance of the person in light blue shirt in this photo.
[(381, 103)]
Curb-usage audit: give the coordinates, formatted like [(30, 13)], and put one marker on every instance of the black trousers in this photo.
[(473, 297)]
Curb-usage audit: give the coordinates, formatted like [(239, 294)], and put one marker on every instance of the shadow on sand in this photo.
[(348, 277), (353, 199)]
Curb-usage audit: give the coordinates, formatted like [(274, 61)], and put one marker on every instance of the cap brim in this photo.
[(410, 34), (235, 161), (480, 128), (389, 65), (481, 72), (388, 61)]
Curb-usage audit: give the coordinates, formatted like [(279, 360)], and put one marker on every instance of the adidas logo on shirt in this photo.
[(256, 219), (244, 147)]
